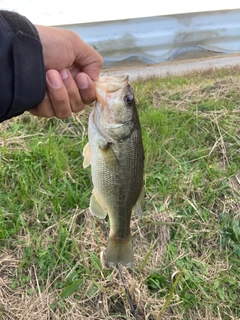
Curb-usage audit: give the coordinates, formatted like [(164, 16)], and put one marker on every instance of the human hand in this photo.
[(70, 65)]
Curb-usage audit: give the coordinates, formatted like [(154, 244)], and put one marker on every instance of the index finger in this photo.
[(87, 59)]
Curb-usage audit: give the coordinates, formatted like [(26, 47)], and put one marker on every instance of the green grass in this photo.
[(187, 247)]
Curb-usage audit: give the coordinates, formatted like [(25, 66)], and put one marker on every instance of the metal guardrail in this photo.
[(163, 38)]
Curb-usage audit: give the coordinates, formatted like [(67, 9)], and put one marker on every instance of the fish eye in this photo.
[(128, 98)]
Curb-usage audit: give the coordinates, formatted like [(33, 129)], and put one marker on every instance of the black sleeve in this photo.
[(22, 73)]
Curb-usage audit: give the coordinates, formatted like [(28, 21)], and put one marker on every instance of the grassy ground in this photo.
[(187, 246)]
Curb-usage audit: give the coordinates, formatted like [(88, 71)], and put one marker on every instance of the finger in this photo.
[(86, 87), (44, 109), (74, 97), (94, 67), (58, 94)]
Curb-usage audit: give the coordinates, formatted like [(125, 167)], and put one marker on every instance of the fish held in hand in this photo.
[(115, 152)]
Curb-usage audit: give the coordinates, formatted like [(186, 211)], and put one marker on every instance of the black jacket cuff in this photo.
[(25, 73)]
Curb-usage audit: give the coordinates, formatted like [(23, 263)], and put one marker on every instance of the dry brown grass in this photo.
[(33, 303)]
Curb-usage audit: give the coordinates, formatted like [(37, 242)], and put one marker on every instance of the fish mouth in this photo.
[(108, 89), (110, 85)]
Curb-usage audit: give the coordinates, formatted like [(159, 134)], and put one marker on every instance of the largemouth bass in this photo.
[(115, 152)]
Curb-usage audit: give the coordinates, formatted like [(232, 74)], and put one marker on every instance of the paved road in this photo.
[(175, 67)]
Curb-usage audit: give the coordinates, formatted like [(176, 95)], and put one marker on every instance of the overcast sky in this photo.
[(51, 12)]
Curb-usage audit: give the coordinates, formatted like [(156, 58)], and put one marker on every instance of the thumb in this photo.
[(87, 59)]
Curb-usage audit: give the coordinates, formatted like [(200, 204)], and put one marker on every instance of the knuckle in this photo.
[(59, 97), (77, 106), (88, 98), (73, 91), (63, 113), (99, 61)]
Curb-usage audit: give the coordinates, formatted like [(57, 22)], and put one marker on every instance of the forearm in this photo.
[(22, 72)]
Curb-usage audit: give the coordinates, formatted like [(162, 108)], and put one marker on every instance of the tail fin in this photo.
[(119, 252)]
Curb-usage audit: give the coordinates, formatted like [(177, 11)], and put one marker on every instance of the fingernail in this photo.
[(64, 74), (54, 80), (82, 81)]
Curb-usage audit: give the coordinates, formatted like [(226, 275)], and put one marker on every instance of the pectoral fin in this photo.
[(96, 207), (86, 155), (138, 207), (110, 159)]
